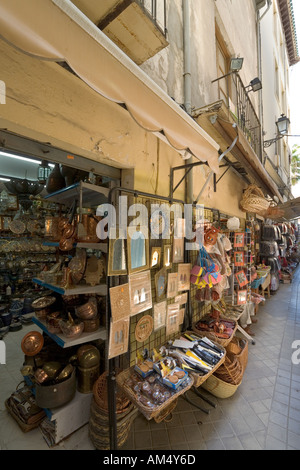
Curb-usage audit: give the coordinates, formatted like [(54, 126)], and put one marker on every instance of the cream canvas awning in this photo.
[(290, 209), (56, 30)]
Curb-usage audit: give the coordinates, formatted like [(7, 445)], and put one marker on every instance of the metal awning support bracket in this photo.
[(220, 159)]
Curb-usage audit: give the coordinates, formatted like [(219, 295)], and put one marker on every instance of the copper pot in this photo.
[(91, 325), (88, 228), (52, 228)]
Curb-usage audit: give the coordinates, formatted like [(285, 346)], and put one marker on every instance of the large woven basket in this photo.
[(219, 388), (100, 395), (253, 200), (239, 347), (213, 337), (156, 412), (199, 379), (231, 370)]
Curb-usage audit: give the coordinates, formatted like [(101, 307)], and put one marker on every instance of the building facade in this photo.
[(181, 52)]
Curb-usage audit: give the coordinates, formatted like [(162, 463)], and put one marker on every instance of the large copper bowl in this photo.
[(32, 343), (88, 311)]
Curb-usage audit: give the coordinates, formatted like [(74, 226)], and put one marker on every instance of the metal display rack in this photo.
[(74, 414)]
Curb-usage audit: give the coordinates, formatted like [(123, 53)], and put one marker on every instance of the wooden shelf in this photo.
[(92, 246), (65, 342), (100, 289)]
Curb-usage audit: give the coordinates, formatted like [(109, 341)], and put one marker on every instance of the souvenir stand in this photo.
[(61, 364), (162, 361)]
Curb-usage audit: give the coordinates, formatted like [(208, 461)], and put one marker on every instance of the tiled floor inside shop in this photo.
[(264, 413)]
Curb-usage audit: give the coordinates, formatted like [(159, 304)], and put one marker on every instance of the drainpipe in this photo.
[(187, 86), (259, 60)]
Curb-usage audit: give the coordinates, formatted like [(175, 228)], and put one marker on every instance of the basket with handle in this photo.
[(239, 347), (253, 200), (157, 412), (231, 371)]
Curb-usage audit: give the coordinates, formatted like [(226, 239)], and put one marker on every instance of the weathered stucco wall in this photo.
[(47, 103), (236, 20)]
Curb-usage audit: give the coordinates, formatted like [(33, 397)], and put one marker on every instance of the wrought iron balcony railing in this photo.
[(156, 9), (245, 115)]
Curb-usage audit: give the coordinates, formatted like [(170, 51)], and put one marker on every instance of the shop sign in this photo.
[(296, 354), (161, 226), (2, 92), (2, 352)]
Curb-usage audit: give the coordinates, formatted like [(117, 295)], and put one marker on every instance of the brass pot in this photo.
[(51, 368), (88, 228), (88, 356)]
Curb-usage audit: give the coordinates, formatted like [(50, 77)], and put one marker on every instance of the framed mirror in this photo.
[(138, 250), (178, 250), (161, 279), (155, 257), (117, 264), (167, 256)]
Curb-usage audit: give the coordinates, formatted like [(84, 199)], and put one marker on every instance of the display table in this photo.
[(265, 286)]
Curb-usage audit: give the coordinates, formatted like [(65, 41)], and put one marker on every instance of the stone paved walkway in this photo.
[(264, 413)]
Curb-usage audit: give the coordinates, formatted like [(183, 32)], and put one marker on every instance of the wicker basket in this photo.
[(156, 411), (100, 395), (99, 426), (199, 379), (231, 370), (213, 337), (239, 347), (219, 388), (253, 200)]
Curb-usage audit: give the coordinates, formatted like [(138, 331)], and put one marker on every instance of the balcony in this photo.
[(218, 118), (243, 112), (138, 27)]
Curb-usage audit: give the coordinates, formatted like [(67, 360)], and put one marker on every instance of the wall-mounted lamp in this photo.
[(255, 85), (282, 129), (236, 63)]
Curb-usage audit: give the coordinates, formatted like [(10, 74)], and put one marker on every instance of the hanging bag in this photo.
[(205, 272)]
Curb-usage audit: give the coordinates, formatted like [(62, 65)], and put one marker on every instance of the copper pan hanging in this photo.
[(68, 236)]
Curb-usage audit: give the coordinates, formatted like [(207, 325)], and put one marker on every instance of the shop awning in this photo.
[(291, 209), (56, 30)]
